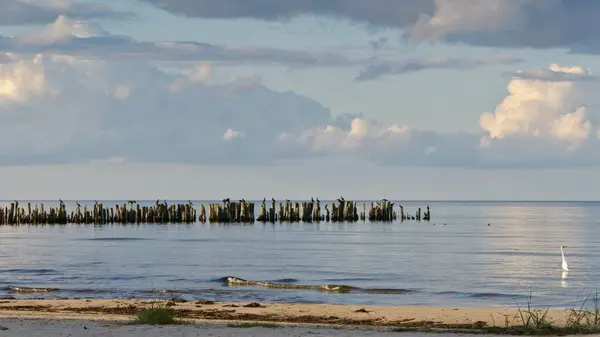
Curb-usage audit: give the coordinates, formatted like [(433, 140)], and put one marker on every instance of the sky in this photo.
[(206, 99)]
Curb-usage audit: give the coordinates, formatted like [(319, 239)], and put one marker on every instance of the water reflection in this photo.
[(563, 282), (466, 261), (524, 241)]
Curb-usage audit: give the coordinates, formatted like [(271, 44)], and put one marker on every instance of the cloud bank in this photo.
[(516, 23), (89, 41), (61, 109), (86, 40), (70, 92)]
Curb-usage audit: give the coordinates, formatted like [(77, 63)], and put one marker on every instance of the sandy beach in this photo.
[(52, 328), (114, 315)]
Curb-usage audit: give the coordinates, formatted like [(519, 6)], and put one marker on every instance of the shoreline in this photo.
[(330, 315)]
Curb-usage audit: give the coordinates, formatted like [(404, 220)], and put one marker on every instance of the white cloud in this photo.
[(201, 72), (230, 134), (62, 30), (549, 105), (57, 108), (572, 127), (20, 79), (362, 133)]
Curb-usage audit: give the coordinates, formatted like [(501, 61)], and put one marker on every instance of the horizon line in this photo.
[(323, 200)]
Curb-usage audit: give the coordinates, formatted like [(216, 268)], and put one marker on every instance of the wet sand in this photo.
[(307, 315), (52, 328)]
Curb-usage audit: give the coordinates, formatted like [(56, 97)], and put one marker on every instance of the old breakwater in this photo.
[(243, 211)]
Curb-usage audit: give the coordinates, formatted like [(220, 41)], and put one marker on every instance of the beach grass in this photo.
[(156, 314), (583, 319), (580, 320)]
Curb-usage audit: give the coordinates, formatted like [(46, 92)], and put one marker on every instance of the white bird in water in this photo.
[(565, 266)]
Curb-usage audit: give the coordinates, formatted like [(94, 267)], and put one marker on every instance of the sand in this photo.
[(50, 328), (23, 317)]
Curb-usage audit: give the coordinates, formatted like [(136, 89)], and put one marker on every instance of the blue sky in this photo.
[(496, 97)]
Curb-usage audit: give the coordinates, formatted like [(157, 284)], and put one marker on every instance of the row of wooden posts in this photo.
[(224, 212)]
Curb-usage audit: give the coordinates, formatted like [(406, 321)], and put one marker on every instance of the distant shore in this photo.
[(391, 317)]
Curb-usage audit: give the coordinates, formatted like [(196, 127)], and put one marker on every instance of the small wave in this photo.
[(286, 280), (122, 278), (494, 295), (180, 279), (350, 279), (449, 293), (186, 291), (168, 291), (220, 279), (389, 291), (480, 295), (89, 291), (31, 290), (113, 239), (29, 271), (341, 288)]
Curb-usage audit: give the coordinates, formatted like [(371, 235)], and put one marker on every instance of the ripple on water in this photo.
[(482, 295), (406, 263), (113, 239), (41, 271)]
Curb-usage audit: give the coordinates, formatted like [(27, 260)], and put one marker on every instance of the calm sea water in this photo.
[(454, 260)]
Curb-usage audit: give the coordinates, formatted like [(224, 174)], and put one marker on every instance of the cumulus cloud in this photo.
[(21, 79), (23, 12), (545, 103), (393, 144), (548, 118), (516, 23), (382, 68), (200, 72), (61, 109)]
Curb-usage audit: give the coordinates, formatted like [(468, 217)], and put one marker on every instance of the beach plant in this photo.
[(583, 319), (579, 320), (156, 314), (594, 317), (531, 318)]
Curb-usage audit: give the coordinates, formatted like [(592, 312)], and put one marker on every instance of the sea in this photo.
[(471, 254)]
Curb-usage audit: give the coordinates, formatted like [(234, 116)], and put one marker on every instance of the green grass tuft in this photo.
[(155, 315)]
